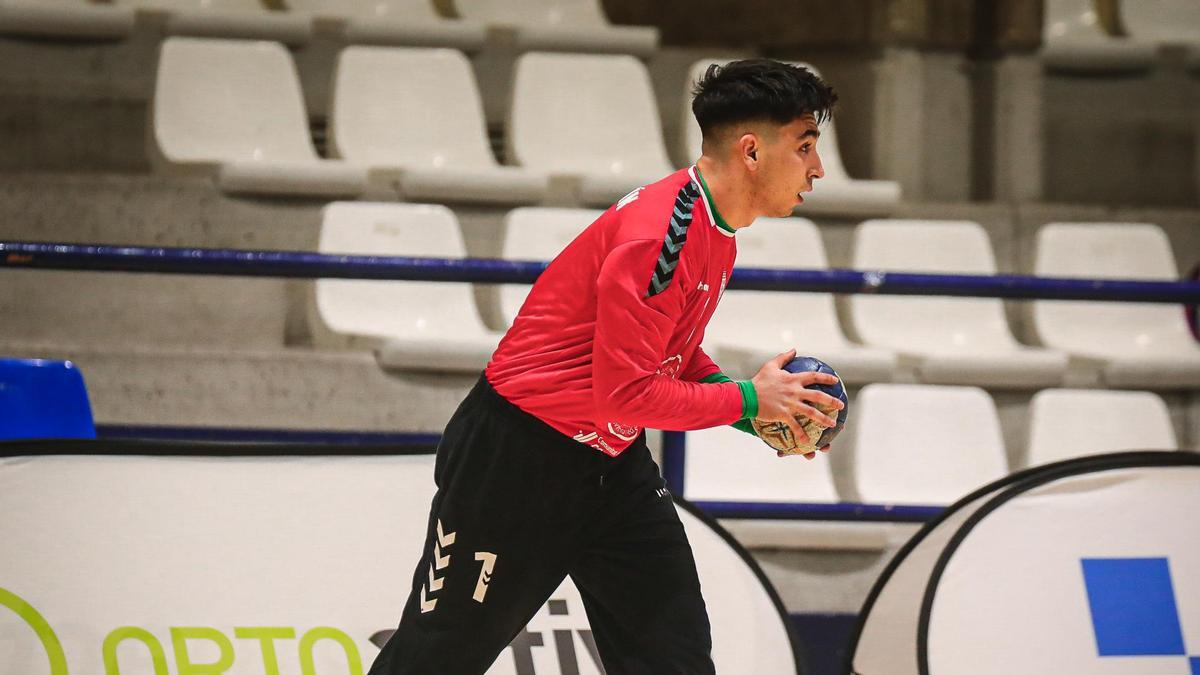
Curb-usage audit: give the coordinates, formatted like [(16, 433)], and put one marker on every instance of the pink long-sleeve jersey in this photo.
[(608, 341)]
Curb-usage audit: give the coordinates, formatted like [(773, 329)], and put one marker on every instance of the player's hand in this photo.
[(782, 396)]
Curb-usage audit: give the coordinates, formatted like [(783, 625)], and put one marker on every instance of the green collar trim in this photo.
[(716, 214)]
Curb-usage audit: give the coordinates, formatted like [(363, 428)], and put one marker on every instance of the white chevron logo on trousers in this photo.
[(440, 562)]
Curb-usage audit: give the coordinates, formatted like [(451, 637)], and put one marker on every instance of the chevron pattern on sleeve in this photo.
[(668, 258)]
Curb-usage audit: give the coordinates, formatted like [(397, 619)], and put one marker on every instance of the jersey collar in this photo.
[(724, 227)]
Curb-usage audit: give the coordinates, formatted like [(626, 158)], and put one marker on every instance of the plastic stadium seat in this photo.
[(1164, 22), (421, 325), (946, 340), (725, 464), (751, 327), (234, 109), (241, 19), (1074, 40), (416, 114), (1066, 423), (590, 117), (923, 444), (43, 399), (65, 19), (837, 192), (534, 233), (560, 25), (392, 22), (1145, 345)]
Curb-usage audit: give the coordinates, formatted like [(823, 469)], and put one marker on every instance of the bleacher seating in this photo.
[(535, 233), (946, 340), (391, 22), (836, 192), (1139, 345), (241, 19), (559, 25), (1067, 423), (781, 319), (726, 464), (43, 399), (414, 118), (65, 19), (411, 325), (924, 444), (610, 145), (1164, 22), (1074, 39), (233, 109)]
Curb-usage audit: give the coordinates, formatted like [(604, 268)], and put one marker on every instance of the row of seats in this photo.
[(554, 25), (923, 444), (1076, 38), (410, 121), (437, 325)]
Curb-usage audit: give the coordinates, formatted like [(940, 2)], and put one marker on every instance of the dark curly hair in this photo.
[(759, 89)]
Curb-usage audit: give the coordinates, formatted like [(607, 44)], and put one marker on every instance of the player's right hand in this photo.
[(782, 396)]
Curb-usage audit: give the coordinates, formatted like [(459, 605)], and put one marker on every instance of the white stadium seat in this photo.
[(240, 19), (1067, 423), (414, 116), (233, 109), (411, 23), (1142, 345), (1073, 39), (590, 117), (726, 464), (415, 325), (560, 25), (837, 192), (946, 340), (924, 444), (65, 18), (534, 233), (751, 327), (1164, 22)]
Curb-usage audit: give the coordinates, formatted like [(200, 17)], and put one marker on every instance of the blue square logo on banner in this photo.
[(1133, 607)]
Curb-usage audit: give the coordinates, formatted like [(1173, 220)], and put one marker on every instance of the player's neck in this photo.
[(729, 194)]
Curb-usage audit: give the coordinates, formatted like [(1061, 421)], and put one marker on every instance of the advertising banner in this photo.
[(1085, 566), (254, 565)]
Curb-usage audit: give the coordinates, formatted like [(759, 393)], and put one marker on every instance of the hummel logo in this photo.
[(661, 492), (702, 287), (485, 575), (440, 562)]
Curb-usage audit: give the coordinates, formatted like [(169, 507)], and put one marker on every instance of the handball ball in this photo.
[(809, 364)]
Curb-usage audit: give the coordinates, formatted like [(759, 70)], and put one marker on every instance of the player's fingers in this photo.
[(826, 448), (810, 455), (781, 359), (798, 433), (816, 416), (808, 378), (814, 397)]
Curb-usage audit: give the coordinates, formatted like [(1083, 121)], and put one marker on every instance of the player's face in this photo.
[(789, 165)]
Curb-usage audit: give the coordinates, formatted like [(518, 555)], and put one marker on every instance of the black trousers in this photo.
[(520, 506)]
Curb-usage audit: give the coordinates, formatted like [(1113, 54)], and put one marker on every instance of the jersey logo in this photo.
[(668, 257), (629, 198)]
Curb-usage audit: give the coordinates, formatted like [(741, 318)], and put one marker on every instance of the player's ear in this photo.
[(748, 148)]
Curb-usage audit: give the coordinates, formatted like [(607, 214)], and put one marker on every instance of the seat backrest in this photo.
[(1109, 251), (1071, 19), (394, 308), (192, 5), (537, 233), (43, 399), (1170, 21), (1066, 423), (923, 444), (778, 317), (921, 323), (418, 108), (827, 146), (585, 113), (229, 100), (382, 9), (725, 464), (566, 13)]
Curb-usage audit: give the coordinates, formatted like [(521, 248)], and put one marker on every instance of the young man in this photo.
[(543, 471)]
